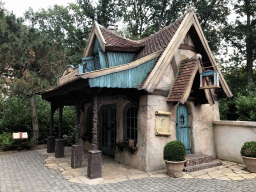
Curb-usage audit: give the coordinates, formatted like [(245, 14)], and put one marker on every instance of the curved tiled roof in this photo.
[(154, 43), (159, 40), (114, 39)]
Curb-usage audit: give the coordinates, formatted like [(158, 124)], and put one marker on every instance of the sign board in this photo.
[(20, 135), (163, 123)]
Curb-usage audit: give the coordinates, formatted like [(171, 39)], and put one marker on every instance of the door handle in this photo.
[(185, 127)]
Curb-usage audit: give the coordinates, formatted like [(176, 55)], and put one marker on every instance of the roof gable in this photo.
[(158, 71)]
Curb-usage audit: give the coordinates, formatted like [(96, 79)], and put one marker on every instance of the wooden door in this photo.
[(182, 126), (108, 129)]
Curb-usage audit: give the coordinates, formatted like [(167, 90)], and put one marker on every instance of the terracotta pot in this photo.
[(174, 168), (250, 163)]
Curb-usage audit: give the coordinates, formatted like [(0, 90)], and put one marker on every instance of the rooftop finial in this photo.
[(95, 17)]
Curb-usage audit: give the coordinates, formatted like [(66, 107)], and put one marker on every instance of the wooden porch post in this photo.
[(60, 142), (95, 155), (60, 121), (78, 113), (77, 150), (51, 138), (95, 123)]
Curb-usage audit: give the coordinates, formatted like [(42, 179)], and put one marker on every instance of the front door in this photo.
[(108, 129), (182, 126)]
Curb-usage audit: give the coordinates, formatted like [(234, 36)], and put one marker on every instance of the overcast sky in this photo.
[(20, 6)]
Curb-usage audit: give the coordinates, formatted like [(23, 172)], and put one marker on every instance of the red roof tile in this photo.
[(154, 43), (182, 80)]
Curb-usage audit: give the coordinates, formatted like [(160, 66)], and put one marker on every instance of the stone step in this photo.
[(213, 163), (194, 159)]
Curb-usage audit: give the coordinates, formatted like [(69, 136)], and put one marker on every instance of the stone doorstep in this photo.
[(214, 163), (194, 159)]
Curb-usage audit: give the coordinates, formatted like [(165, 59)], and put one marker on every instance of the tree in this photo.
[(68, 26), (108, 11), (242, 33), (34, 57)]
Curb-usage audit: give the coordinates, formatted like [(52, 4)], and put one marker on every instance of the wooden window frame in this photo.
[(127, 107)]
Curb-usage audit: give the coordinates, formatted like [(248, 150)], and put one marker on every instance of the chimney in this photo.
[(112, 28)]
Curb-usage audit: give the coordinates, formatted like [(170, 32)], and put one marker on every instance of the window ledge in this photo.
[(125, 144)]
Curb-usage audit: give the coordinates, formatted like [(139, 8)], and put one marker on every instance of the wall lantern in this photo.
[(209, 80)]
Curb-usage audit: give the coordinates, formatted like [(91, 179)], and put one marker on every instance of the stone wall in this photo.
[(230, 137)]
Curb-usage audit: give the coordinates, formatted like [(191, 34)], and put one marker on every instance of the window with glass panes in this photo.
[(130, 122)]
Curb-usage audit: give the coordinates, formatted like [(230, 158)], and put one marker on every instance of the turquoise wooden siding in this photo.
[(182, 128), (115, 59), (103, 61), (96, 46), (131, 78), (88, 64)]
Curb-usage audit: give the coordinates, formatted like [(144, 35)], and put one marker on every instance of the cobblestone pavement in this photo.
[(25, 171)]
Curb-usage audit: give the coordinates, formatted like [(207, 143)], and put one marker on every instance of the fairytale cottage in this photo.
[(132, 97)]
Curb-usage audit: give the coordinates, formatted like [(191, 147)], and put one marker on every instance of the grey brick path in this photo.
[(26, 172)]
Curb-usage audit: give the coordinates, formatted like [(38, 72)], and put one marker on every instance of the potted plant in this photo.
[(175, 157), (248, 153)]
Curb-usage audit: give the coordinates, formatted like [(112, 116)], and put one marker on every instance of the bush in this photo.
[(15, 116), (175, 151), (249, 149), (6, 141)]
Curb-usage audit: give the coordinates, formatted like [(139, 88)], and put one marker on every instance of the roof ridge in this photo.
[(116, 34)]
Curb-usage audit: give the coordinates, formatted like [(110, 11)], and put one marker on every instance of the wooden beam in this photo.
[(95, 123), (206, 91), (119, 68)]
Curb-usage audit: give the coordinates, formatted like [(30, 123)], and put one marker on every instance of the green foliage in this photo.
[(7, 143), (246, 104), (67, 26), (17, 118), (249, 149), (6, 140), (175, 151), (241, 105)]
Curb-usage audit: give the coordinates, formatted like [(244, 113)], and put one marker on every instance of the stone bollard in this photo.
[(76, 156)]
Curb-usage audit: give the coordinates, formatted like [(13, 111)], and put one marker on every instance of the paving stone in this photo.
[(205, 176), (124, 172), (247, 176), (25, 171), (230, 174), (187, 176), (215, 175), (160, 175), (223, 178), (75, 180), (235, 178), (198, 173), (108, 176), (137, 176)]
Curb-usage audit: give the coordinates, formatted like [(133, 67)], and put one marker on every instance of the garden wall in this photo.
[(230, 136)]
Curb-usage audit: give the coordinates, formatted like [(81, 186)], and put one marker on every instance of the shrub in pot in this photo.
[(248, 153), (175, 157)]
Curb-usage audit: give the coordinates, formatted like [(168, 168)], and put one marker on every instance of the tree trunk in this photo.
[(248, 42), (34, 119)]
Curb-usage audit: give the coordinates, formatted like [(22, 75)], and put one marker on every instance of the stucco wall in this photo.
[(201, 117), (230, 137)]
